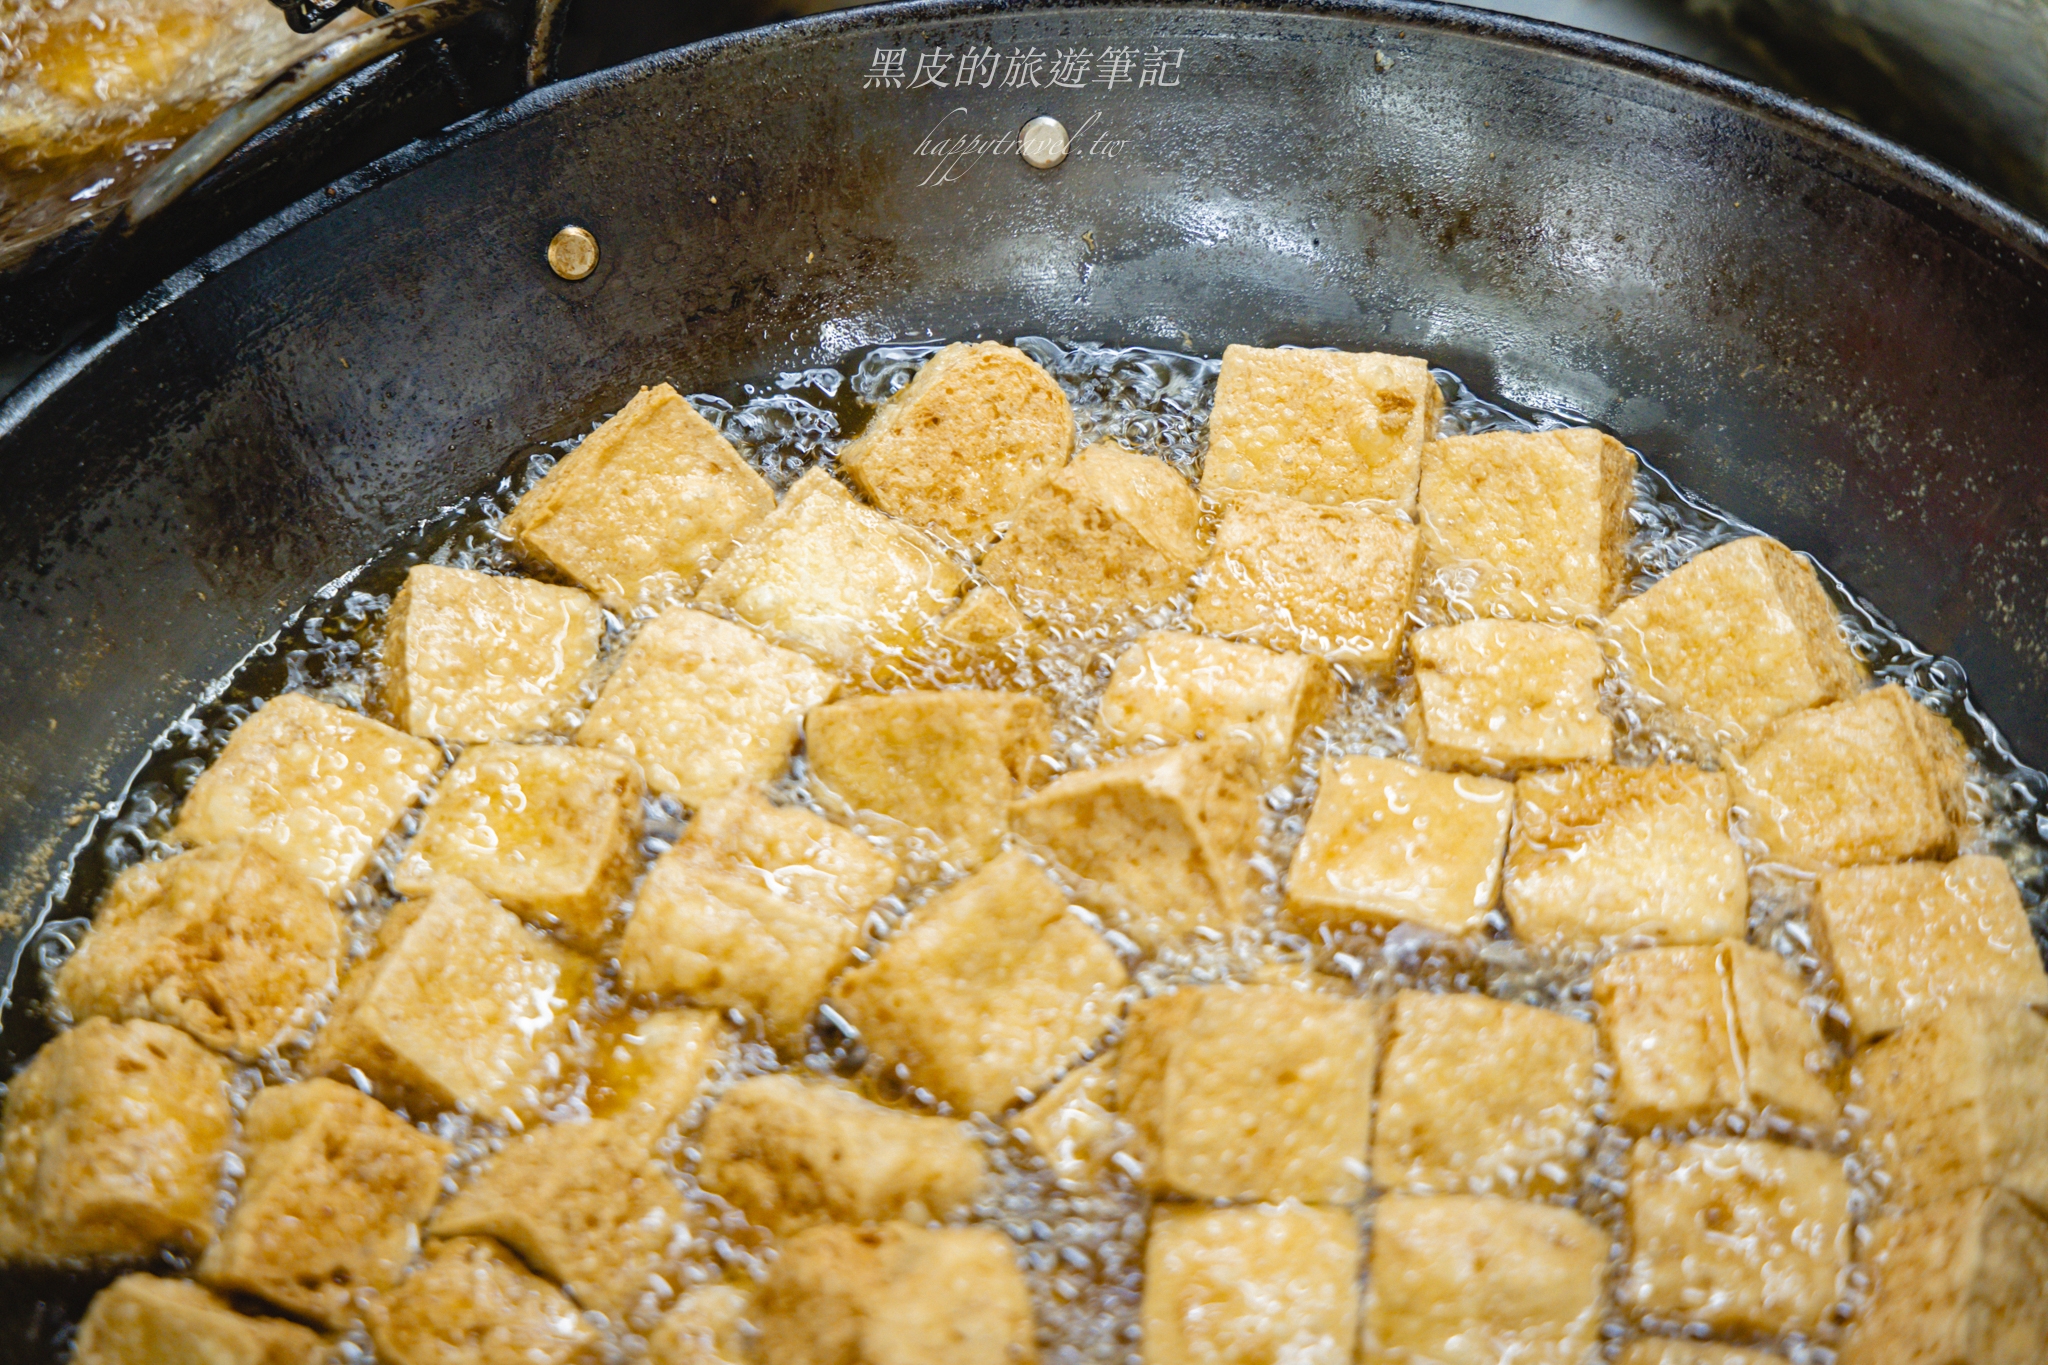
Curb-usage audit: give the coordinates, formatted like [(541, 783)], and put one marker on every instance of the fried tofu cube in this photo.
[(1682, 1351), (1957, 1283), (1172, 687), (1112, 533), (336, 1184), (704, 706), (1739, 637), (1960, 1099), (1603, 853), (1478, 1096), (1876, 779), (644, 506), (756, 908), (1740, 1235), (456, 1007), (473, 657), (984, 619), (791, 1154), (549, 831), (897, 1295), (1784, 1058), (1335, 581), (1475, 1279), (318, 786), (1164, 840), (470, 1302), (989, 991), (1215, 1119), (837, 580), (962, 444), (1241, 1286), (228, 942), (647, 1069), (1074, 1125), (1322, 426), (706, 1327), (147, 1320), (1906, 939), (111, 1144), (1502, 697)]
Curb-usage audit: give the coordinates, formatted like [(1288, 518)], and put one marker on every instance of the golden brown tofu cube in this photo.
[(318, 786), (756, 908), (471, 657), (1245, 1286), (791, 1154), (1502, 697), (1530, 524), (1216, 1119), (1111, 533), (989, 991), (335, 1184), (1164, 840), (470, 1302), (1680, 1351), (835, 579), (111, 1145), (646, 1069), (962, 444), (1074, 1125), (1957, 1283), (227, 942), (456, 1007), (1905, 940), (1877, 779), (1322, 426), (1740, 1235), (897, 1295), (643, 508), (1477, 1279), (1478, 1096), (1390, 843), (1335, 581), (146, 1320), (1643, 855), (1784, 1059), (1739, 637), (706, 1327), (1172, 687), (984, 619), (706, 707)]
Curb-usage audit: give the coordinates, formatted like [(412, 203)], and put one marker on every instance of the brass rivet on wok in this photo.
[(1043, 143), (573, 253)]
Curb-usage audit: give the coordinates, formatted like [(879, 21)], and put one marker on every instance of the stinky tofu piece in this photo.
[(1480, 1096), (455, 1008), (897, 1295), (1958, 1282), (704, 706), (1877, 779), (706, 1327), (1322, 426), (549, 831), (1501, 697), (644, 506), (1478, 1279), (1215, 1118), (1681, 1351), (1784, 1057), (984, 619), (473, 657), (336, 1184), (1739, 637), (1111, 533), (756, 908), (1906, 939), (646, 1070), (1739, 1235), (962, 444), (1074, 1125), (1390, 843), (1164, 840), (1603, 853), (791, 1154), (1335, 581), (318, 786), (1171, 687), (227, 942), (148, 1320), (470, 1302), (111, 1144), (989, 991), (1245, 1286), (835, 579)]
